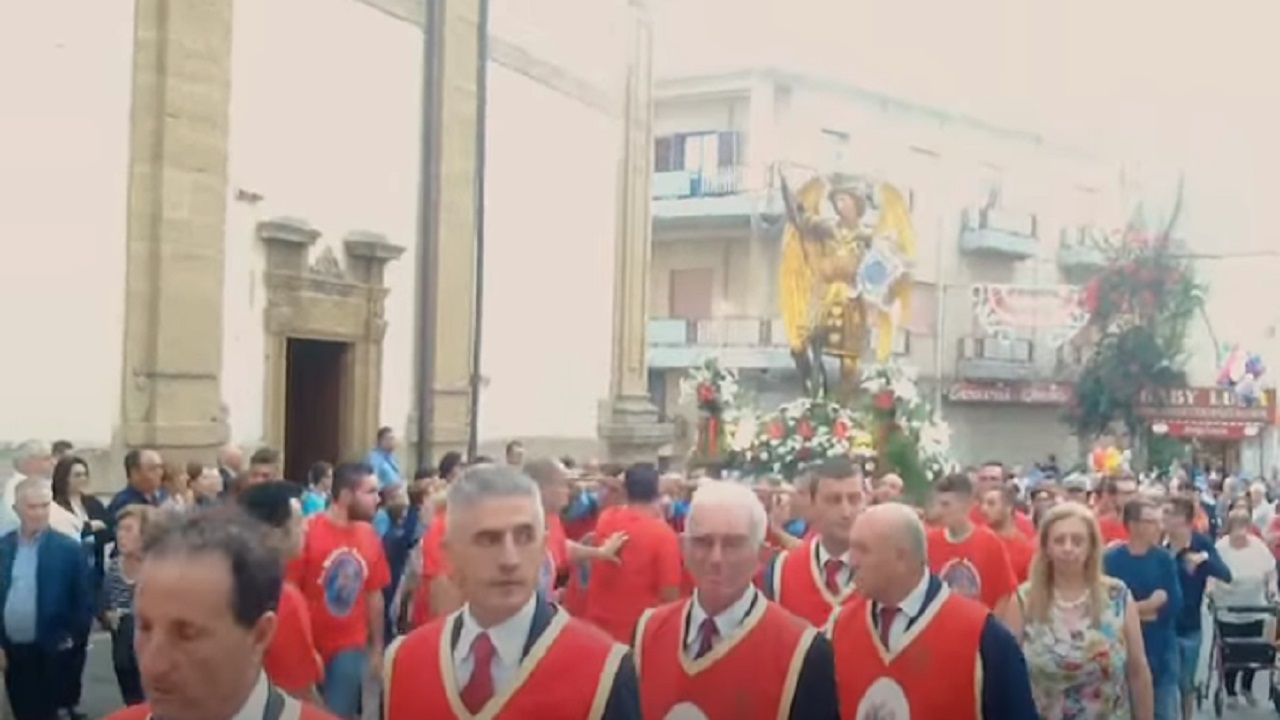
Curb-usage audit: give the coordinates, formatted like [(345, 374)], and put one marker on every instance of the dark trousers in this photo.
[(125, 663), (31, 675), (1243, 630), (71, 673)]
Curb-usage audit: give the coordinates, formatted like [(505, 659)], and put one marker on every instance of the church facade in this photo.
[(215, 231)]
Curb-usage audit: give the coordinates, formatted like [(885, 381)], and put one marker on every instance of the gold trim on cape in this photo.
[(692, 666), (499, 700), (607, 676), (638, 639), (793, 673)]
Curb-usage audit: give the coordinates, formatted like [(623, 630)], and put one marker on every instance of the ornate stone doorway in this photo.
[(322, 303)]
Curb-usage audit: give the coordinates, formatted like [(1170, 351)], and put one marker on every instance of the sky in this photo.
[(1176, 84)]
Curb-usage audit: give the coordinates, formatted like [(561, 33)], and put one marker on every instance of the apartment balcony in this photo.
[(738, 342), (996, 359), (706, 193), (1069, 360), (1082, 250), (996, 232)]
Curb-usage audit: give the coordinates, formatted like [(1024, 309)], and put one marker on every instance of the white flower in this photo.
[(744, 433)]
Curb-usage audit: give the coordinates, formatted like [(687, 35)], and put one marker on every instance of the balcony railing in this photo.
[(708, 182), (993, 231), (1082, 249), (717, 332), (996, 359)]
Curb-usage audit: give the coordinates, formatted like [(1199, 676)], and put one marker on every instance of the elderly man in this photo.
[(729, 652), (33, 459), (206, 600), (910, 647), (816, 577), (46, 595), (507, 653)]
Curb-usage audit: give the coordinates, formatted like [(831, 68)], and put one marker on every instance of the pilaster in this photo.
[(447, 253), (629, 422), (181, 87)]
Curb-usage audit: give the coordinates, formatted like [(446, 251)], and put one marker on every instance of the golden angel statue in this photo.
[(845, 274)]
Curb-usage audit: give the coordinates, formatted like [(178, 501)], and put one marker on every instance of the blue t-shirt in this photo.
[(1144, 574), (1194, 581)]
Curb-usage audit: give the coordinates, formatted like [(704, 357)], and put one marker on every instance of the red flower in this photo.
[(1090, 297), (884, 400), (840, 428), (803, 453), (804, 429), (775, 430), (706, 393)]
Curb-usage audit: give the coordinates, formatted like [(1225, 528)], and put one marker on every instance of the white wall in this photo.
[(325, 126), (550, 197), (64, 141)]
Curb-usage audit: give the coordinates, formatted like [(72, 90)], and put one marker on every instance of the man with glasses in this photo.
[(1151, 574), (728, 651)]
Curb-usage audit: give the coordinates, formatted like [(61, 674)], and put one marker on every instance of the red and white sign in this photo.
[(1055, 312), (1010, 393), (1210, 431)]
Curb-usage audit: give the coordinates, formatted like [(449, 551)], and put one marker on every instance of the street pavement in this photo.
[(101, 696)]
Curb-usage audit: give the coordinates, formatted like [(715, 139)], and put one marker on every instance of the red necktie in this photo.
[(887, 616), (831, 570), (479, 687), (707, 635)]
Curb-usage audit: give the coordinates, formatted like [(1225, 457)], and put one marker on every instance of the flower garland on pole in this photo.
[(713, 390), (912, 441)]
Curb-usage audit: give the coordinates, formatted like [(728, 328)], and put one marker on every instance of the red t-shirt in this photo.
[(1020, 521), (1112, 529), (976, 567), (650, 562), (338, 567), (557, 560), (434, 562), (291, 660), (1020, 549)]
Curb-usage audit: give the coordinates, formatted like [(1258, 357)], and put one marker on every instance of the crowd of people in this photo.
[(538, 588)]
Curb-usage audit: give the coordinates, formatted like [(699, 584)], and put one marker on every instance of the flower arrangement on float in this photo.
[(713, 390), (911, 439), (782, 443)]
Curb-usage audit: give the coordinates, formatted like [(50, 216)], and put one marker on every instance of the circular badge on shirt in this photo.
[(343, 580), (685, 711), (884, 700), (962, 577)]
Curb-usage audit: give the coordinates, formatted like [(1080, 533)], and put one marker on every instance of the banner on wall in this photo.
[(1052, 312)]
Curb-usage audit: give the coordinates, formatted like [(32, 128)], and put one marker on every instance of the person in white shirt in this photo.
[(1253, 583)]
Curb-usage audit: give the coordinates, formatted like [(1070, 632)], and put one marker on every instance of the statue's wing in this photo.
[(795, 288), (895, 221)]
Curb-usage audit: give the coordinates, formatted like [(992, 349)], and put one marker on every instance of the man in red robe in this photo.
[(909, 647), (508, 654), (816, 577), (728, 652), (203, 629)]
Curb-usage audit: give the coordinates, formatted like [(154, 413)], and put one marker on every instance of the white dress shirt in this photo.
[(727, 622), (845, 576), (255, 706), (508, 637), (909, 609)]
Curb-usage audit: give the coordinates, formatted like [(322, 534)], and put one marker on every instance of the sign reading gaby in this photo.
[(1054, 312), (1204, 404)]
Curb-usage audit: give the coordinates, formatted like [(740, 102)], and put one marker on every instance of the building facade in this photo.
[(214, 227), (1004, 222)]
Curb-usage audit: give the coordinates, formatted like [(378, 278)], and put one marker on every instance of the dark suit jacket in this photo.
[(624, 696), (1006, 686), (63, 588)]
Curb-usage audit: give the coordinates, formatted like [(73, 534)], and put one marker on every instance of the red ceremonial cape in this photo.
[(567, 675), (935, 673), (801, 589), (751, 673)]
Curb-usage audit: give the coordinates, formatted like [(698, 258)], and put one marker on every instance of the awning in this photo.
[(1210, 430)]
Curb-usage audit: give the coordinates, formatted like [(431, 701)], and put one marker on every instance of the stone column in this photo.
[(629, 424), (447, 254), (171, 396)]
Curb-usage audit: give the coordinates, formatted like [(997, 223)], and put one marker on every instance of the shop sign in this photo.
[(1010, 393), (1204, 405)]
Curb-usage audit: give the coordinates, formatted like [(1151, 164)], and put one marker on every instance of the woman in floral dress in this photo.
[(1079, 629)]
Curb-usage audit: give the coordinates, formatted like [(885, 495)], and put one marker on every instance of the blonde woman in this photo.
[(1079, 629)]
